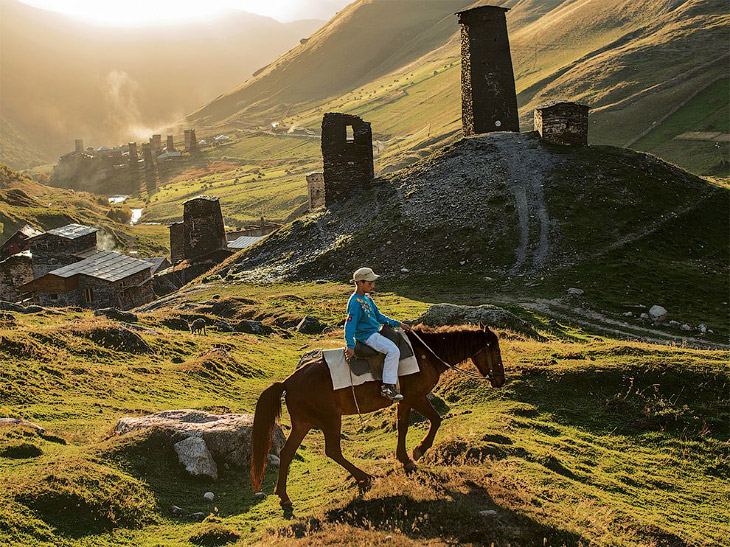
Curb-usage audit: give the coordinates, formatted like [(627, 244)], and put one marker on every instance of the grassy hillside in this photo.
[(25, 201), (588, 439), (631, 62), (707, 113), (15, 151)]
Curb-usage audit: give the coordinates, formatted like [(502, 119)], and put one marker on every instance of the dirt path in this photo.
[(525, 180), (596, 321)]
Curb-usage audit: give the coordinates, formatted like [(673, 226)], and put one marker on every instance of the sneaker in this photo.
[(390, 392)]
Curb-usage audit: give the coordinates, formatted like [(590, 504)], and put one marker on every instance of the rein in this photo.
[(467, 373)]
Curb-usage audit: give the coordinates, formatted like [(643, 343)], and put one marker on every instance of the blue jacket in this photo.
[(363, 319)]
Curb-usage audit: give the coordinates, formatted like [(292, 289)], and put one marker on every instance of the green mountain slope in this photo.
[(632, 62)]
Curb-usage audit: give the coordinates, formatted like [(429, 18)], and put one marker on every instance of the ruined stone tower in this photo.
[(204, 232), (170, 144), (347, 152), (191, 141), (562, 122), (156, 143), (79, 146), (488, 97), (151, 177)]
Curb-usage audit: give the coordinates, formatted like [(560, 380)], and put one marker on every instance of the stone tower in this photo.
[(203, 227), (170, 144), (488, 97), (79, 146), (347, 153)]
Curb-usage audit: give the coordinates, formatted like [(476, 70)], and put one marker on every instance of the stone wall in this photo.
[(51, 251), (177, 242), (124, 294), (348, 160), (488, 96), (563, 123), (204, 231), (315, 185), (15, 270)]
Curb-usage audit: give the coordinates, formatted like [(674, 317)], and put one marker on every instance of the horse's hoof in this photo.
[(365, 484), (286, 503), (410, 467), (417, 453)]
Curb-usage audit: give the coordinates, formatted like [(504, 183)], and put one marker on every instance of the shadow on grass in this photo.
[(454, 518), (633, 400)]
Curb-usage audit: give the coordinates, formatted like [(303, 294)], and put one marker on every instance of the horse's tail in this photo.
[(268, 409)]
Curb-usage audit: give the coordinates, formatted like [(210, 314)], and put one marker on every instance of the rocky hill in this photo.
[(620, 225)]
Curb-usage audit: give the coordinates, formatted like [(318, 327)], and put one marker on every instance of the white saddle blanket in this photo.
[(340, 369)]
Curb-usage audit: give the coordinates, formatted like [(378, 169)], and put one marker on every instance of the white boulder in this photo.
[(576, 292), (657, 313), (194, 455)]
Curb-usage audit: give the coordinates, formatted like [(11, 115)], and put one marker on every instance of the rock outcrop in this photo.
[(439, 315), (203, 441)]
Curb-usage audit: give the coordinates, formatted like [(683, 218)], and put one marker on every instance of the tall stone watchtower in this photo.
[(488, 97), (204, 231), (347, 153)]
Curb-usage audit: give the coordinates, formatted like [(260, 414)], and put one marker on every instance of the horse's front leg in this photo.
[(424, 407), (404, 411)]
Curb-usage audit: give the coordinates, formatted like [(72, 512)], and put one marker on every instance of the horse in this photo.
[(313, 403)]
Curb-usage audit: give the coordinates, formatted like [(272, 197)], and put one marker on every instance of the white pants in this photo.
[(392, 355)]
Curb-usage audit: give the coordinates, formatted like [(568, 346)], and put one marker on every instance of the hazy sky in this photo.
[(165, 12)]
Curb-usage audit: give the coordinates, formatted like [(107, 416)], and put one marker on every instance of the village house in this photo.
[(63, 267)]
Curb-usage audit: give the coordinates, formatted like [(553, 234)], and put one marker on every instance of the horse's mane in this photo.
[(454, 343)]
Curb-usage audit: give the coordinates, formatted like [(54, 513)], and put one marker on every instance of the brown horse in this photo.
[(312, 402)]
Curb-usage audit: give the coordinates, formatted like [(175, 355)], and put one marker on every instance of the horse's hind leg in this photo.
[(424, 407), (331, 431), (298, 432), (404, 412)]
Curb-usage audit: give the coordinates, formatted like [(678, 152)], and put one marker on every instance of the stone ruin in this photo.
[(347, 153), (201, 232), (563, 122), (315, 187), (488, 96), (191, 141), (170, 144)]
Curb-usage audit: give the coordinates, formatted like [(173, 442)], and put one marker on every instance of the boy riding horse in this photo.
[(363, 323)]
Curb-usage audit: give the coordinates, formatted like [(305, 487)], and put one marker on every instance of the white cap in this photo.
[(364, 274)]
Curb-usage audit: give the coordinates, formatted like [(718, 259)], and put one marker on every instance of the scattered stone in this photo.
[(404, 270), (674, 324), (327, 330), (224, 326), (657, 313), (11, 306), (209, 496), (685, 327), (194, 455), (309, 325), (702, 328), (198, 516), (629, 314), (644, 316), (487, 513), (259, 495), (487, 278), (274, 460), (576, 292), (117, 315), (177, 511), (252, 327)]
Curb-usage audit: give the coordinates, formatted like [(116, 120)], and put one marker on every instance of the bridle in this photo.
[(468, 373)]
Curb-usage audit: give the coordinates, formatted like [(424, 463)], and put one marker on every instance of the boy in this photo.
[(363, 322)]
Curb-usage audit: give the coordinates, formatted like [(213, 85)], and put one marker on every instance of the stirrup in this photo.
[(389, 392)]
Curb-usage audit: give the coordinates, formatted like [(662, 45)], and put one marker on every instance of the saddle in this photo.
[(367, 359)]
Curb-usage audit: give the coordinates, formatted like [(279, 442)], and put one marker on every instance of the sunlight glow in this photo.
[(134, 13)]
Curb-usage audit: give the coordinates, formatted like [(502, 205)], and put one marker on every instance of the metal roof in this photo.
[(72, 231), (244, 241), (106, 265)]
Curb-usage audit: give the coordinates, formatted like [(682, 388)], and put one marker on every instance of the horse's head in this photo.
[(489, 359)]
